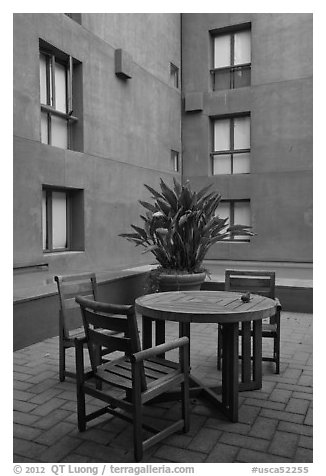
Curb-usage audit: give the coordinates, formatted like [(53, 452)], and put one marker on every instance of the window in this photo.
[(74, 16), (174, 75), (62, 219), (231, 145), (232, 60), (56, 82), (175, 163), (238, 212)]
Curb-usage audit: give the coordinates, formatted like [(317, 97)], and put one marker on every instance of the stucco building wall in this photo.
[(279, 100), (129, 128)]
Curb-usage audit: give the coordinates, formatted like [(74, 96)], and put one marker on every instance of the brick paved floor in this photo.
[(275, 423)]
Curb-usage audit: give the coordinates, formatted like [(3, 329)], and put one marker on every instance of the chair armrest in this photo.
[(159, 349), (278, 304)]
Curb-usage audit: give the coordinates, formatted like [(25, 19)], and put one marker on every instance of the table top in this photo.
[(204, 306)]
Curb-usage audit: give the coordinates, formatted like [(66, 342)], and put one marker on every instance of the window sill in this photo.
[(230, 175), (234, 241), (63, 252)]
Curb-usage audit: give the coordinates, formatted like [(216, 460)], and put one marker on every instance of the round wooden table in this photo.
[(220, 307)]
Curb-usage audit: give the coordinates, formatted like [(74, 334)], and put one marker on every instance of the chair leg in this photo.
[(137, 414), (98, 359), (185, 400), (277, 352), (219, 346), (81, 406), (62, 360)]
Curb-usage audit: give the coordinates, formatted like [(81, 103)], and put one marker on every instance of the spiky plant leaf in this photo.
[(181, 225)]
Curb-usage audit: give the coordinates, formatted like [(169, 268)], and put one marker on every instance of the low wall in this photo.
[(36, 318), (292, 298)]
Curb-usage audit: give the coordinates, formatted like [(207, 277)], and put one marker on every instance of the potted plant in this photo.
[(180, 226)]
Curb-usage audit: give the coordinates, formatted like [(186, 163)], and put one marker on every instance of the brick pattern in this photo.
[(275, 423)]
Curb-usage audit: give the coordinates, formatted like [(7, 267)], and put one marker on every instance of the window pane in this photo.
[(174, 74), (241, 163), (222, 134), (59, 220), (242, 47), (222, 80), (44, 220), (222, 51), (223, 211), (242, 216), (43, 93), (241, 77), (59, 132), (60, 87), (221, 164), (175, 160), (241, 133), (44, 128)]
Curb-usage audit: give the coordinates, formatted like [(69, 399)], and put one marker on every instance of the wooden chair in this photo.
[(70, 321), (139, 374), (256, 282)]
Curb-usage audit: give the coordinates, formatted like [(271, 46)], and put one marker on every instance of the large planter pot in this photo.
[(180, 282)]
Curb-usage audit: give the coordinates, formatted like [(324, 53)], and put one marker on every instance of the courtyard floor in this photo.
[(275, 423)]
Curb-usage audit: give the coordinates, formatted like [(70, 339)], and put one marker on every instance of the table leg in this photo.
[(230, 379), (246, 352), (257, 353), (184, 331), (251, 373), (147, 323), (230, 383), (159, 334), (147, 332)]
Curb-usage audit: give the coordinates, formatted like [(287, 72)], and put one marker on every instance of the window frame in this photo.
[(232, 202), (49, 222), (74, 16), (231, 151), (175, 75), (175, 159), (232, 68), (52, 55)]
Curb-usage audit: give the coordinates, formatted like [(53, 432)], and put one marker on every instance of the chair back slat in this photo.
[(70, 303), (110, 317), (74, 289), (257, 282), (115, 343), (106, 321)]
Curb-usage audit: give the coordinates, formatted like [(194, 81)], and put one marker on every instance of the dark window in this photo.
[(231, 145), (58, 106), (232, 60), (174, 75), (62, 219), (74, 16), (238, 212), (175, 161)]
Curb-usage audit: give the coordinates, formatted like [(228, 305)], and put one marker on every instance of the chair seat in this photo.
[(118, 372)]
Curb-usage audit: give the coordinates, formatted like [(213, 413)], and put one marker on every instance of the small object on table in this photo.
[(245, 297)]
